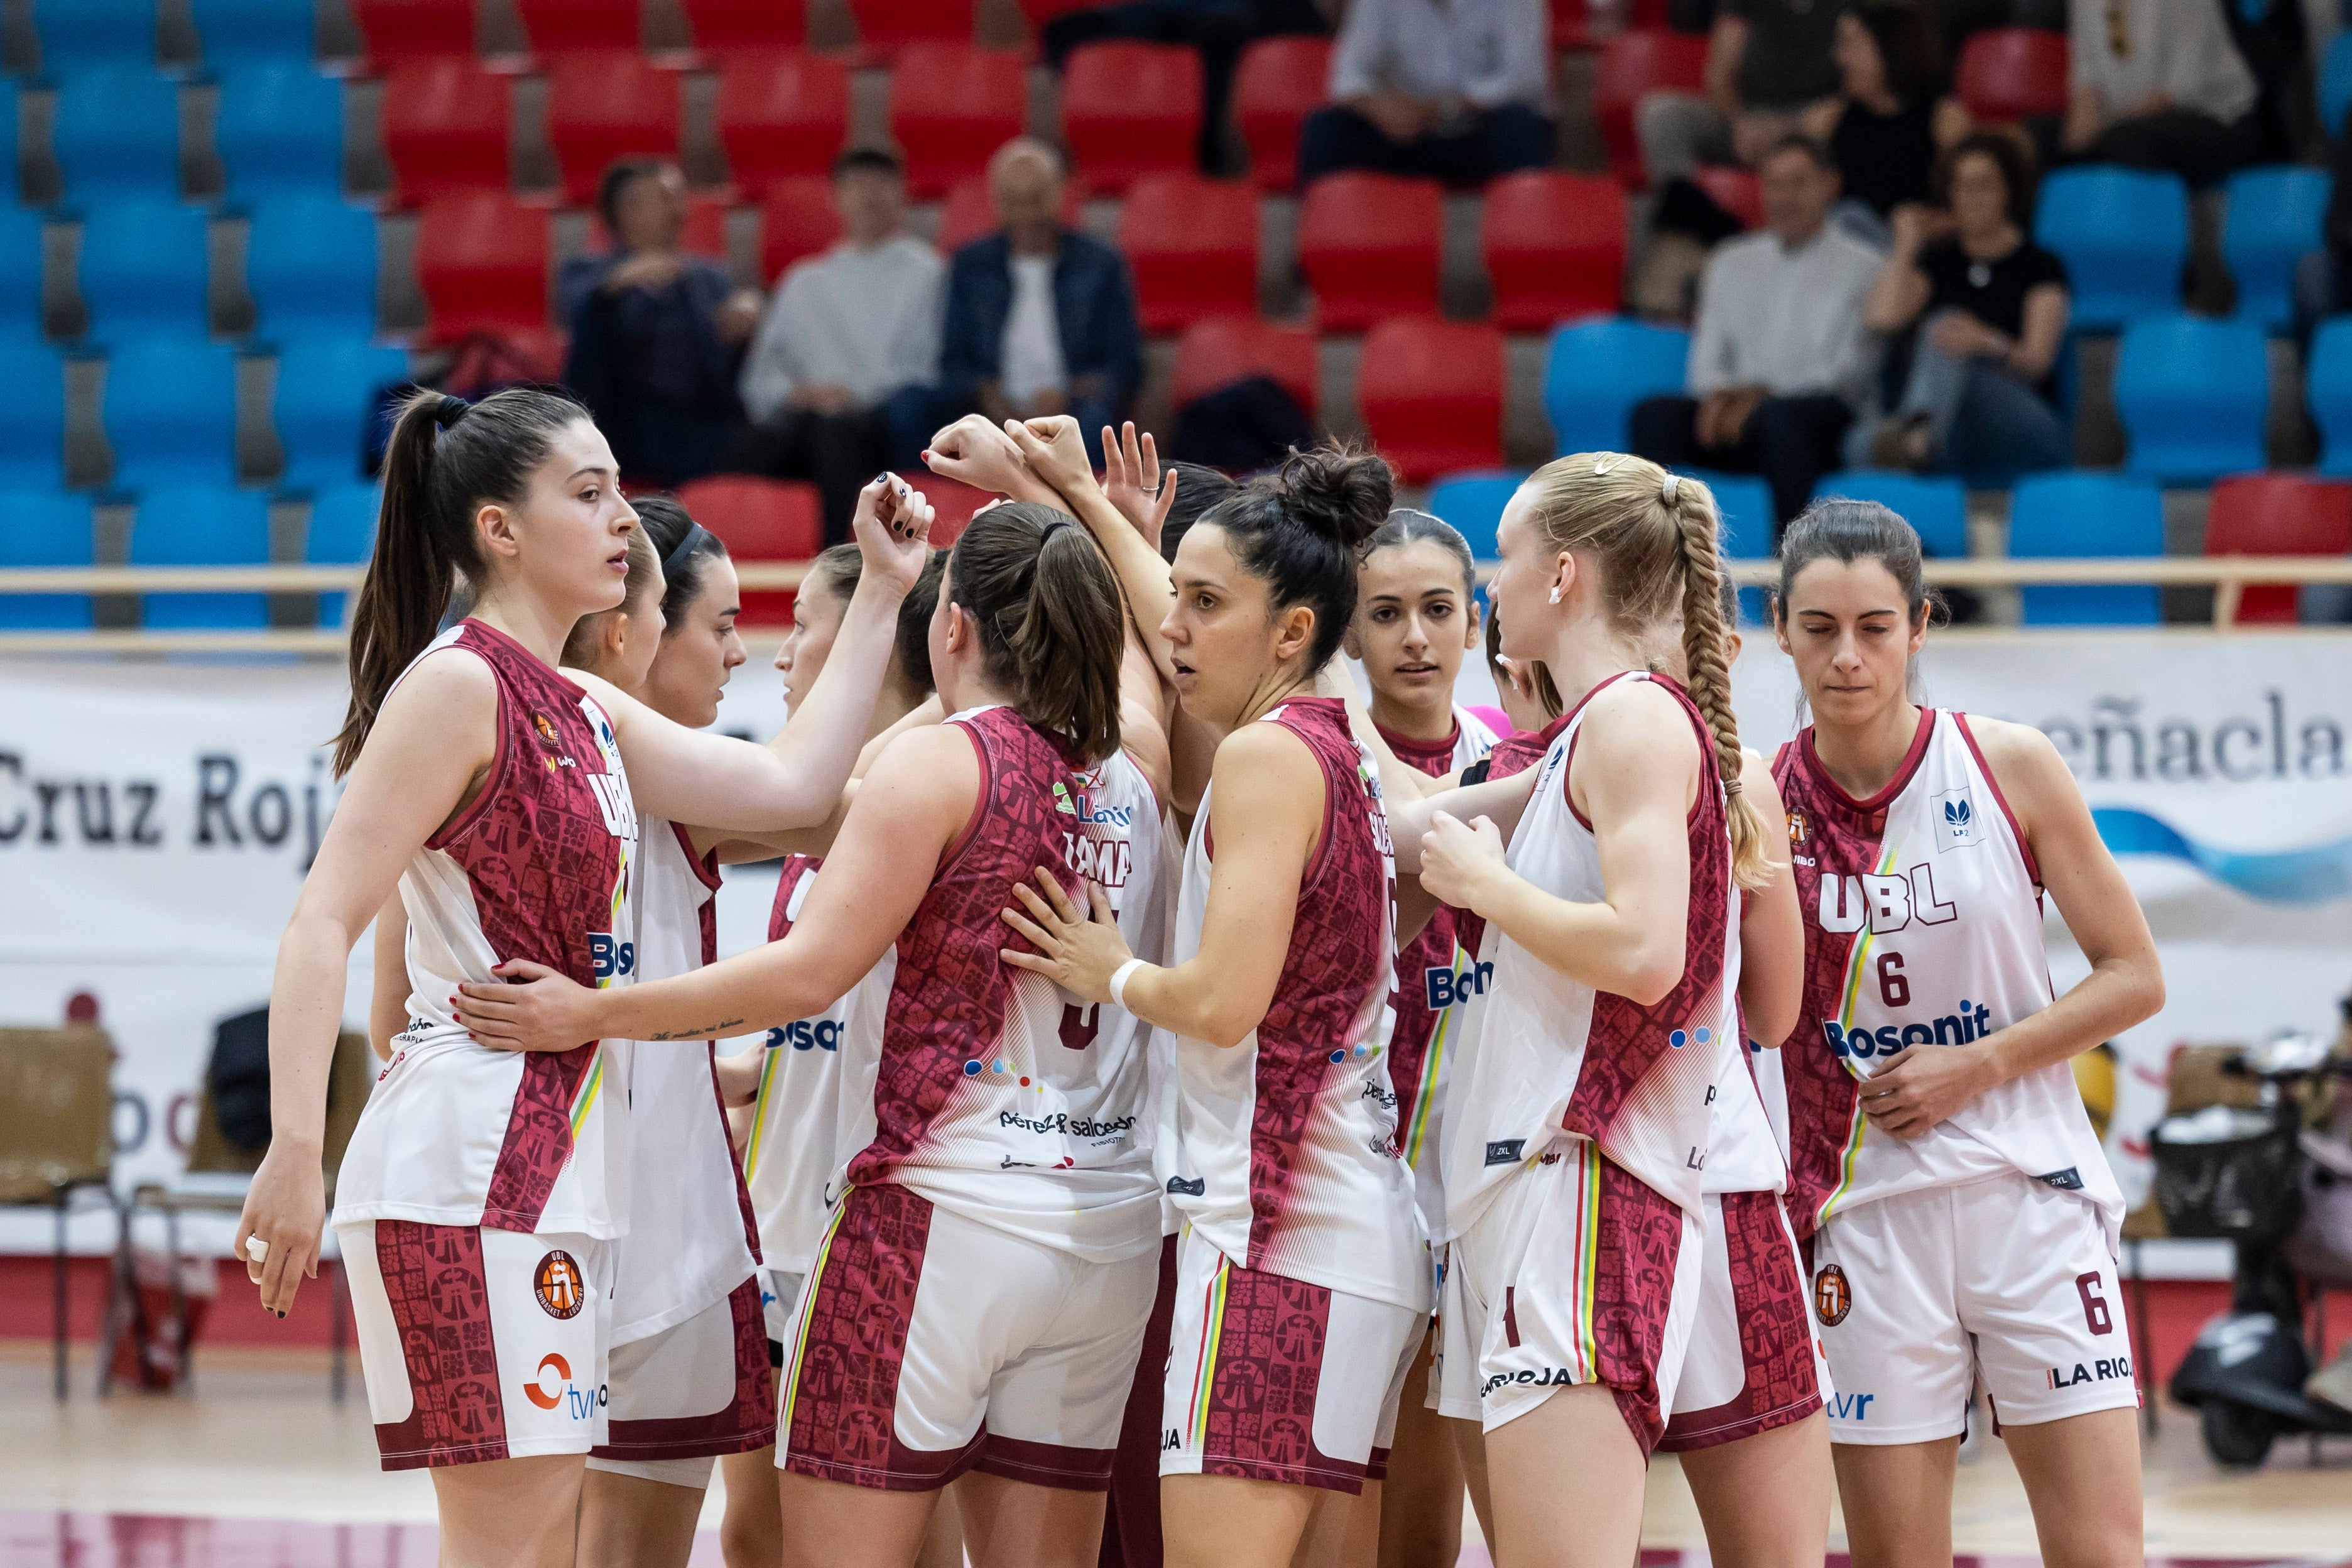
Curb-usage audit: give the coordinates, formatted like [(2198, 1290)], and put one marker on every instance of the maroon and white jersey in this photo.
[(541, 866), (1546, 1058), (1923, 928), (1425, 1023), (1286, 1157), (999, 1095), (795, 1144), (692, 1237)]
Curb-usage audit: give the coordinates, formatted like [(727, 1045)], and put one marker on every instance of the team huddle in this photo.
[(1204, 1118)]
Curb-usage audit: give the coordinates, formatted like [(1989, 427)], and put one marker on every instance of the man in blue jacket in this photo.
[(1040, 319)]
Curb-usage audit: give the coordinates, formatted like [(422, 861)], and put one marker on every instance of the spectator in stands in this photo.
[(1991, 305), (1780, 362), (1888, 119), (1220, 29), (1455, 92), (1767, 62), (838, 382), (2157, 84), (656, 334), (1040, 319)]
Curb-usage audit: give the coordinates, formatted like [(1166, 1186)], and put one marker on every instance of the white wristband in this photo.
[(1118, 978)]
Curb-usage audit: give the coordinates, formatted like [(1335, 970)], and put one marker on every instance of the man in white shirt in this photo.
[(1780, 363), (1458, 91), (2159, 84), (838, 382)]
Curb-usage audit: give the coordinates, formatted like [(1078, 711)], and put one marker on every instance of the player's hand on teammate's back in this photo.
[(1924, 1086), (535, 1010), (1078, 946)]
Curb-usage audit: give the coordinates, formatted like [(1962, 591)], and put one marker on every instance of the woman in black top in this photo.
[(1991, 306), (1886, 123)]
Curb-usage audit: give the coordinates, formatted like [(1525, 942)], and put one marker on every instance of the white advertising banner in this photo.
[(156, 819)]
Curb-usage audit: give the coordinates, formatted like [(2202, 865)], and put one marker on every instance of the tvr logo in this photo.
[(561, 1392), (1881, 902)]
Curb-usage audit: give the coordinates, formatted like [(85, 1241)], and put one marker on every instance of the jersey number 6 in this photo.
[(1893, 988)]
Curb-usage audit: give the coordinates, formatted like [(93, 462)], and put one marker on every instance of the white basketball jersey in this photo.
[(1744, 1154), (1547, 1057), (690, 1238), (1923, 928)]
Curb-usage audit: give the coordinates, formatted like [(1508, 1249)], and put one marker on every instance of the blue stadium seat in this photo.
[(2192, 395), (2083, 514), (343, 533), (2124, 236), (143, 268), (1596, 371), (197, 525), (78, 35), (239, 31), (1937, 508), (46, 528), (280, 127), (2329, 392), (1472, 501), (20, 272), (32, 416), (2335, 84), (116, 133), (2274, 217), (326, 397), (1744, 502), (310, 265), (171, 413)]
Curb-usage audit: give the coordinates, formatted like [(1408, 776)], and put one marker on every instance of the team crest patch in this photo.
[(1799, 829), (1958, 822), (1832, 1298), (557, 1283)]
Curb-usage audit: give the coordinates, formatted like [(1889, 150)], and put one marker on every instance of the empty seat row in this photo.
[(116, 131), (2124, 236)]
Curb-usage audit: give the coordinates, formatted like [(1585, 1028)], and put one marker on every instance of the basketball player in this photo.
[(1968, 1219), (792, 1088), (1416, 620), (1580, 1114), (976, 1305), (1301, 1276), (482, 1191)]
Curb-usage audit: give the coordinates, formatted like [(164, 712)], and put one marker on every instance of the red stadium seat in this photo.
[(2009, 73), (481, 262), (1571, 21), (446, 126), (968, 214), (951, 105), (601, 106), (1735, 190), (758, 519), (1555, 247), (952, 503), (1632, 64), (1129, 110), (1369, 245), (796, 220), (886, 28), (398, 30), (1279, 83), (1041, 12), (1217, 353), (1432, 392), (2277, 514), (558, 26), (1191, 245), (723, 24), (780, 114)]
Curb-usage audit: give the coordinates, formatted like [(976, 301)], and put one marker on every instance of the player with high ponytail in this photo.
[(1281, 1155), (1606, 1024)]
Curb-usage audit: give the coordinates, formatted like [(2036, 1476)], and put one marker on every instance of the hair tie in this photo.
[(1674, 482), (1054, 527), (695, 534), (1732, 786), (449, 410)]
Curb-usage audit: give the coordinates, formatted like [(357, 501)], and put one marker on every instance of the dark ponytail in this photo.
[(1051, 624), (1303, 530), (446, 458)]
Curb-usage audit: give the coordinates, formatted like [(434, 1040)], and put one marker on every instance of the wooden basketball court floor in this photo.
[(258, 1467)]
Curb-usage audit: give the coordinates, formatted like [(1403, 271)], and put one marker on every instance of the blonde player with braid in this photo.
[(1581, 1120)]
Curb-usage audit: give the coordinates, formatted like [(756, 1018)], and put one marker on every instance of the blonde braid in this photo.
[(1692, 510)]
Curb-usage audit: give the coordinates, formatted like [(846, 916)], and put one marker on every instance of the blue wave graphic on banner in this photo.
[(2313, 875)]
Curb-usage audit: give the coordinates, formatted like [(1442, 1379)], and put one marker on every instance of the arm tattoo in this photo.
[(704, 1032)]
